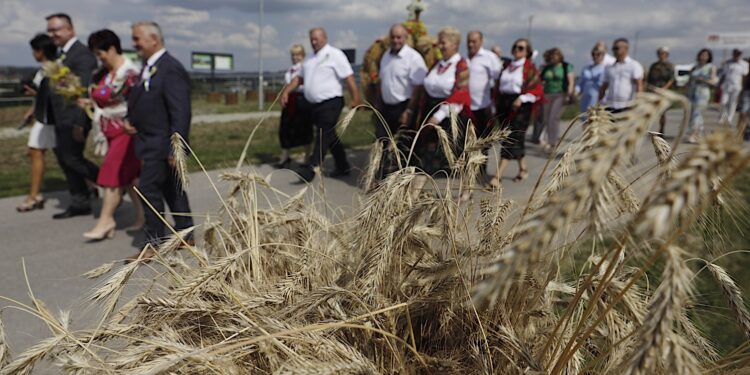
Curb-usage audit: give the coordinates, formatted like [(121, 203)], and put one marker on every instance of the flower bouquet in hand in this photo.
[(63, 81)]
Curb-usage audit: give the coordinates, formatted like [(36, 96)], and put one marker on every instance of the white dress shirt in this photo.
[(439, 85), (291, 73), (322, 73), (69, 44), (484, 68), (620, 76), (146, 74), (734, 72), (511, 81), (400, 73)]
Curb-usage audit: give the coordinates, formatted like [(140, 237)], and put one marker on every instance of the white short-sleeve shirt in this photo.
[(511, 81), (400, 73), (620, 76), (484, 68), (734, 71), (322, 73)]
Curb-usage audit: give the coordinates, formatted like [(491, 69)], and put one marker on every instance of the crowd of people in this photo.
[(134, 113), (489, 90)]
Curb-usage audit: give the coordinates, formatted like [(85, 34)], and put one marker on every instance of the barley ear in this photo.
[(663, 152), (4, 349), (733, 295), (180, 160), (99, 271)]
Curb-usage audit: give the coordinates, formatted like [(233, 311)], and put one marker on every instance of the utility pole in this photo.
[(528, 32), (635, 44), (261, 96)]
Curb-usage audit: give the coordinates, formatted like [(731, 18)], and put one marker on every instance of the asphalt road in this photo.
[(55, 253)]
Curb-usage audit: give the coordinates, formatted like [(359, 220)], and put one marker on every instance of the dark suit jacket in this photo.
[(162, 110), (47, 105), (82, 63)]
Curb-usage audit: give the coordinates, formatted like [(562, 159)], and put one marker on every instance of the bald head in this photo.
[(318, 38), (398, 35)]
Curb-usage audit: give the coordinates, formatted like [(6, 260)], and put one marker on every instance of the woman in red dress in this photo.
[(120, 168)]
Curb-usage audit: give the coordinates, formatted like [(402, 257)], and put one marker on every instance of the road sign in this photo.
[(728, 40), (222, 62)]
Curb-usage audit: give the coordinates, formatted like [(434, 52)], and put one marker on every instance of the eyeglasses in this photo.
[(519, 48)]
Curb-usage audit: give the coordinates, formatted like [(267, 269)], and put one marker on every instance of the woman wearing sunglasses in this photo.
[(519, 86)]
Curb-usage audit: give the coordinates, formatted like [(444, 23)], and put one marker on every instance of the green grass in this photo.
[(724, 231), (201, 106), (217, 146)]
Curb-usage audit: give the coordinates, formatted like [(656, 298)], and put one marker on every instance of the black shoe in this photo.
[(70, 212), (306, 174), (340, 172)]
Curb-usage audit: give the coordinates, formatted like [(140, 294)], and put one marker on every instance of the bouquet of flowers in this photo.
[(63, 81)]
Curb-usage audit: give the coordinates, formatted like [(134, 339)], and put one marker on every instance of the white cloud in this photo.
[(232, 25), (345, 39)]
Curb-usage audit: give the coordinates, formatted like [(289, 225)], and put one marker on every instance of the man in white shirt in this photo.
[(622, 80), (402, 71), (734, 72), (484, 69), (322, 73)]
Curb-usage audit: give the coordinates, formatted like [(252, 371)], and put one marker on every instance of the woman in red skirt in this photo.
[(120, 168)]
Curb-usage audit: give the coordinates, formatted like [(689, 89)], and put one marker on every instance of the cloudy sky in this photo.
[(232, 26)]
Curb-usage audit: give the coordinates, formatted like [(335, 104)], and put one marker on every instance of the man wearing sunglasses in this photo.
[(622, 80)]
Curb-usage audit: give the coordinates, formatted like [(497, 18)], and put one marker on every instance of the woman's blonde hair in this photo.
[(297, 48), (451, 33)]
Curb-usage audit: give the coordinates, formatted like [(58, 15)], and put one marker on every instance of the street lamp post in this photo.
[(528, 32), (261, 96), (635, 44)]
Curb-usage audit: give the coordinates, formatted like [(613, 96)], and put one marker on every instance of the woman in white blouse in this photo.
[(447, 90), (294, 128), (519, 86)]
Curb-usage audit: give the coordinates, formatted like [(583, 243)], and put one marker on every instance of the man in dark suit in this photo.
[(157, 108), (73, 125)]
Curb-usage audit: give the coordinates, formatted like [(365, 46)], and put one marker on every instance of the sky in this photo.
[(233, 26)]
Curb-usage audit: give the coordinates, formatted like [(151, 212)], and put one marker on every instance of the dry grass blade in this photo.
[(24, 364)]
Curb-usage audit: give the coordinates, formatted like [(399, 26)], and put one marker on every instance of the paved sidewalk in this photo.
[(209, 118)]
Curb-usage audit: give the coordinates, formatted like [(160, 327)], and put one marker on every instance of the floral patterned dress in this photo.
[(120, 167)]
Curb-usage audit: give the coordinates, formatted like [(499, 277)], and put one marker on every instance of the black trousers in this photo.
[(75, 166), (484, 122), (325, 115), (159, 183), (391, 115), (517, 120)]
